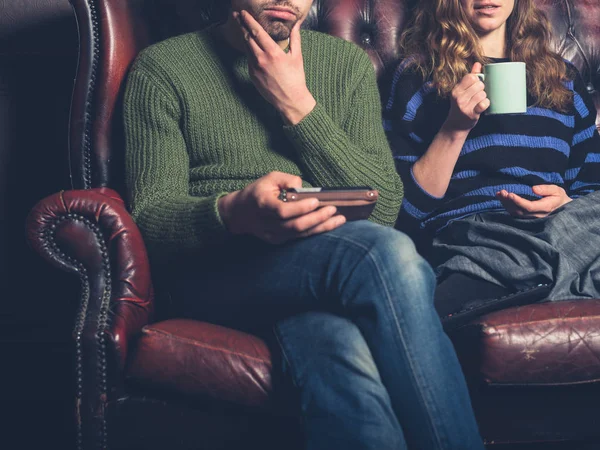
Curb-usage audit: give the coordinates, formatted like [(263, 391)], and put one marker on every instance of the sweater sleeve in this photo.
[(411, 127), (583, 175), (157, 173), (355, 153)]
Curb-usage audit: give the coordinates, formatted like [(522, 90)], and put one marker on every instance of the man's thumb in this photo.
[(295, 40), (285, 180)]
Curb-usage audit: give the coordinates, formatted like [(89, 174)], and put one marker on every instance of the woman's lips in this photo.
[(487, 10)]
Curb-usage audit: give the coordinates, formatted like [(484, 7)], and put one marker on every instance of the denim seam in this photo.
[(398, 327), (277, 332), (413, 373)]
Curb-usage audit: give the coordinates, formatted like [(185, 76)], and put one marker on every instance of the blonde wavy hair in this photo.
[(446, 46)]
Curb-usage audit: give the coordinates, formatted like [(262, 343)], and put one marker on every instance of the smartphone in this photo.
[(355, 203)]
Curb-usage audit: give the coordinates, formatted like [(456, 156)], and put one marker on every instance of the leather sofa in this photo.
[(147, 380)]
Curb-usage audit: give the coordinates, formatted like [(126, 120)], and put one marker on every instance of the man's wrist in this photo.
[(225, 205), (293, 114)]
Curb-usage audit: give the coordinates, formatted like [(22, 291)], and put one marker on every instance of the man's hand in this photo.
[(257, 210), (278, 76), (553, 197)]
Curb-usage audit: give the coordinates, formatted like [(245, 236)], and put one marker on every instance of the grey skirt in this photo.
[(562, 249)]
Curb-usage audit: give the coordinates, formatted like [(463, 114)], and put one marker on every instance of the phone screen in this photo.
[(329, 189)]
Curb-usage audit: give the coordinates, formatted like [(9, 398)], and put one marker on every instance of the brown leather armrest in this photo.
[(90, 233)]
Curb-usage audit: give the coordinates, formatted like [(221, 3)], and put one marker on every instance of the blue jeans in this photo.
[(361, 341)]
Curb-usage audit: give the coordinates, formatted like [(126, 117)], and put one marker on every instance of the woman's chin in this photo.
[(484, 28)]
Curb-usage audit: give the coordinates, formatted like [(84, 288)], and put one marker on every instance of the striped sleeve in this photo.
[(410, 124), (583, 174)]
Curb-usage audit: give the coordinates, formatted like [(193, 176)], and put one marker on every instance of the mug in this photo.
[(506, 87)]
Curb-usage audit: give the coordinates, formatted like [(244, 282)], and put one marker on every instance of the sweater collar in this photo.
[(498, 60)]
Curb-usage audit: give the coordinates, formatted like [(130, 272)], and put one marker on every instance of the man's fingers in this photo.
[(258, 33), (290, 210), (330, 224), (278, 236), (305, 222), (249, 23), (244, 29), (320, 221), (253, 48)]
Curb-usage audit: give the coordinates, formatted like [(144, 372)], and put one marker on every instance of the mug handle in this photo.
[(481, 76)]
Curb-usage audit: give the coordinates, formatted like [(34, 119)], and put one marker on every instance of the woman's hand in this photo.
[(553, 197), (433, 170), (467, 102)]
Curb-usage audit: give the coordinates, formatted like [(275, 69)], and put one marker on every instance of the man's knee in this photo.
[(387, 261), (370, 236), (389, 248)]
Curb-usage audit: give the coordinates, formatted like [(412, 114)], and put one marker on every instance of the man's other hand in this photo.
[(258, 211), (553, 197), (278, 76)]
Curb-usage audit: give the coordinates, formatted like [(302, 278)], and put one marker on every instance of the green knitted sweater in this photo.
[(196, 128)]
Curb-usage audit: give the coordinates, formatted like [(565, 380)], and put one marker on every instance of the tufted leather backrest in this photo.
[(112, 32), (576, 36)]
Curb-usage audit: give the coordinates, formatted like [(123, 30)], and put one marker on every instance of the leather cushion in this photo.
[(196, 358), (550, 343)]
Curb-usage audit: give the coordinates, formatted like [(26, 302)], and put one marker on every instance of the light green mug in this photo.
[(506, 87)]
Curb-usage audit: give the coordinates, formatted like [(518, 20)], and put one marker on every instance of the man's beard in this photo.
[(279, 30)]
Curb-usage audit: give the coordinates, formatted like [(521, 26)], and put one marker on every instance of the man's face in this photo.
[(277, 17)]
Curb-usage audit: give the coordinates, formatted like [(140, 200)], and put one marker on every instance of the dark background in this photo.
[(38, 55)]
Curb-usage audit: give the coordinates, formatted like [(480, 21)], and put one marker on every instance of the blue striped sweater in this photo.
[(512, 152)]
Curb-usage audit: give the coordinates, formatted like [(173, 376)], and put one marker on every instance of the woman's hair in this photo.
[(446, 47)]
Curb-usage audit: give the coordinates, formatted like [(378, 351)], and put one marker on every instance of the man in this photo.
[(218, 122)]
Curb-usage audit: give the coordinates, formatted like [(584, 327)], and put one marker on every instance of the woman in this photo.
[(495, 196)]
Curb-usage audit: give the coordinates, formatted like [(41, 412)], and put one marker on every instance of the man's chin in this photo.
[(278, 31), (278, 37)]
